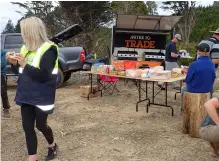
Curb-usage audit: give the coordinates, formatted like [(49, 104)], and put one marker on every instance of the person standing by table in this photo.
[(4, 94), (92, 55), (38, 69), (209, 130), (171, 58), (201, 74)]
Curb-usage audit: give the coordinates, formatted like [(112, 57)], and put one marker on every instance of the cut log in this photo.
[(85, 90), (194, 112)]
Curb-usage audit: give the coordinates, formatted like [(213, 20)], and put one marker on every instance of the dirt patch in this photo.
[(107, 128)]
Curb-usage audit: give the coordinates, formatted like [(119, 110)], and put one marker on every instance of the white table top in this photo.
[(143, 79)]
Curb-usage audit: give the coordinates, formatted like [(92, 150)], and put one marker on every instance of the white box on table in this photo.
[(161, 75)]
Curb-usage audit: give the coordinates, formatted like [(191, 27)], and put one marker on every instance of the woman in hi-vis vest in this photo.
[(38, 68)]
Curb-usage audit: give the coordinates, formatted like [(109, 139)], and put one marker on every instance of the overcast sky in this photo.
[(8, 11)]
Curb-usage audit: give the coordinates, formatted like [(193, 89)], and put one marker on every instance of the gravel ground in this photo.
[(106, 129)]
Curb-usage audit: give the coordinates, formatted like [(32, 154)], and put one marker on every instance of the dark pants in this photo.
[(4, 93), (29, 114)]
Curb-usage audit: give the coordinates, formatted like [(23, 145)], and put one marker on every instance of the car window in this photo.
[(13, 41)]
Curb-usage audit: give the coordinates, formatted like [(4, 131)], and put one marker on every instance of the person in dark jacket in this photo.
[(92, 55), (171, 58), (4, 94), (38, 69)]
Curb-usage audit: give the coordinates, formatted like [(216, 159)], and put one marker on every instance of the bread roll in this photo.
[(11, 54)]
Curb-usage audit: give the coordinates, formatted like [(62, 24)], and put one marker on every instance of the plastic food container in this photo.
[(130, 73), (161, 75)]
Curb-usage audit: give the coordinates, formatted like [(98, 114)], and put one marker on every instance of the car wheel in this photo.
[(67, 76), (60, 78), (86, 67)]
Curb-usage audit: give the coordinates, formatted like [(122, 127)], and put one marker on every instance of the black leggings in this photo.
[(4, 93), (29, 114)]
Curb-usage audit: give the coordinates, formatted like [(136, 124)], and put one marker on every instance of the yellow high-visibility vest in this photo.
[(33, 58), (95, 55)]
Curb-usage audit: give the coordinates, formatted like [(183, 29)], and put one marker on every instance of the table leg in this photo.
[(139, 83), (146, 84), (125, 82), (153, 93), (179, 91), (99, 84), (146, 88), (165, 104), (91, 86), (139, 92), (166, 99)]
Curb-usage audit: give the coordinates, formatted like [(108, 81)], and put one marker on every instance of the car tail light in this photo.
[(83, 55)]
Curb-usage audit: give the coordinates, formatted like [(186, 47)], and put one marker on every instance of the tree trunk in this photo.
[(194, 112)]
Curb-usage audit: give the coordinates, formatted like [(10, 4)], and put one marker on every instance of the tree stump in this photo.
[(194, 112)]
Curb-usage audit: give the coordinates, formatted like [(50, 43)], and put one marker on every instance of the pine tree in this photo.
[(207, 19), (9, 28)]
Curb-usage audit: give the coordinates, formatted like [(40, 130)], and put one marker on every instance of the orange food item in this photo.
[(138, 72), (130, 64), (149, 63), (118, 65)]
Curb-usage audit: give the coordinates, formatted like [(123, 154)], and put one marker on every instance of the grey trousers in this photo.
[(170, 66), (210, 133)]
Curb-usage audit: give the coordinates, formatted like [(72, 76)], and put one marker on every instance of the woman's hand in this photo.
[(21, 59), (10, 59)]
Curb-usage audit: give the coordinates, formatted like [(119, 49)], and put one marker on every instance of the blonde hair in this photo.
[(33, 31)]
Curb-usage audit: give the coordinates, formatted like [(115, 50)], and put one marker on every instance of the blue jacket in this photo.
[(3, 62), (201, 75)]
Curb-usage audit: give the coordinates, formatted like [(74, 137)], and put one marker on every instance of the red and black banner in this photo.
[(143, 41)]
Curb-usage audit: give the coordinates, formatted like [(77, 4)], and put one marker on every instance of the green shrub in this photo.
[(191, 48), (185, 62)]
